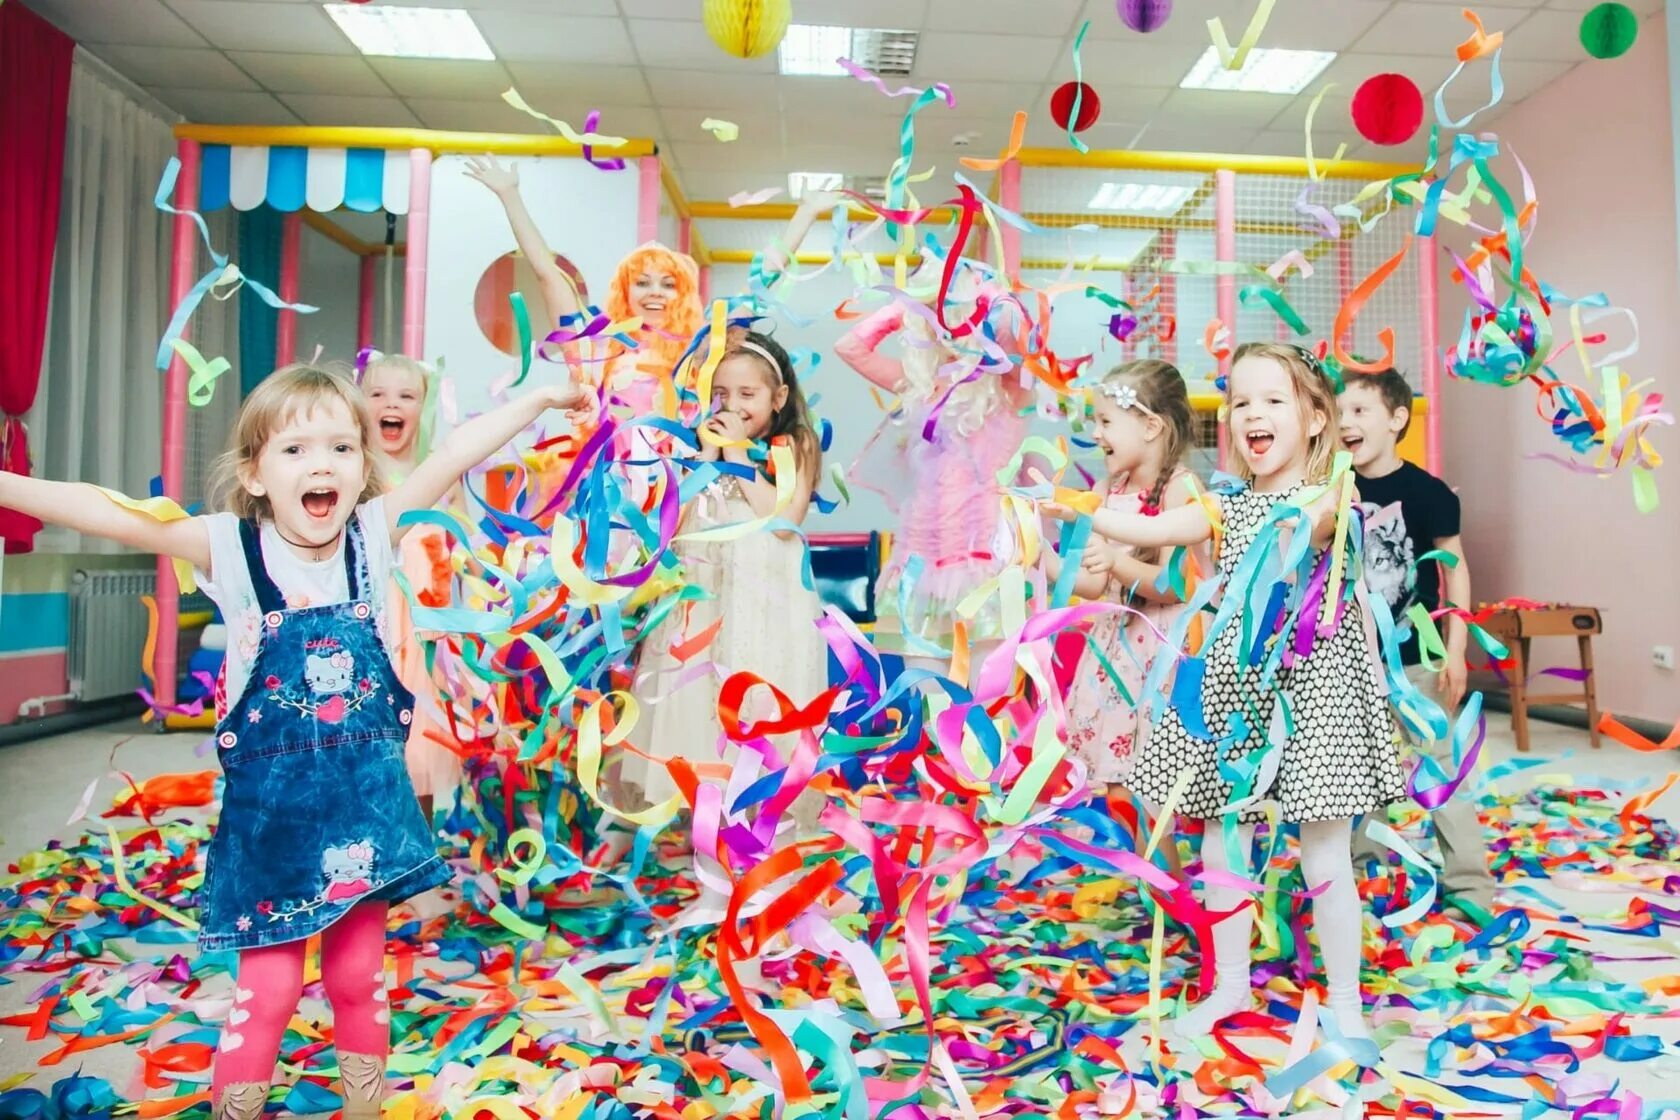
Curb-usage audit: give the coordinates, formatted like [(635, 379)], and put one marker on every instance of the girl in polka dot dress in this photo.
[(1142, 423), (1338, 759)]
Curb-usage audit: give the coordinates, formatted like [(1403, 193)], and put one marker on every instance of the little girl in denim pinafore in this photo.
[(319, 830)]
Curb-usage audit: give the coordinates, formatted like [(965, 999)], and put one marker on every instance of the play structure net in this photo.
[(1156, 242)]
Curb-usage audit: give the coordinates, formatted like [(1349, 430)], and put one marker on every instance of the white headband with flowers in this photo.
[(1124, 396)]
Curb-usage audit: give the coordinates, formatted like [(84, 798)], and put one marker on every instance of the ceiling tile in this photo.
[(1111, 63), (202, 106), (145, 22), (660, 9), (689, 87), (174, 66), (439, 77), (1203, 106), (1195, 138), (761, 127), (1008, 17), (953, 56), (684, 45), (242, 25), (557, 38), (581, 84), (893, 15), (1320, 27), (311, 73), (760, 162), (1427, 29), (326, 110), (1283, 144), (804, 98), (477, 115)]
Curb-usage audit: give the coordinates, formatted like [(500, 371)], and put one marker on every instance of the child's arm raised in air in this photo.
[(478, 439), (87, 509), (858, 348), (780, 253), (503, 181)]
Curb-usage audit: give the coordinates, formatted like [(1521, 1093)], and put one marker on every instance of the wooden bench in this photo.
[(1517, 627)]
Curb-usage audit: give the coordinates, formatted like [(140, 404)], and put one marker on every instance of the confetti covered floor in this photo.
[(1574, 1012)]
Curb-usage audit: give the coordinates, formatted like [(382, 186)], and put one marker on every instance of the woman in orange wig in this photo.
[(659, 286)]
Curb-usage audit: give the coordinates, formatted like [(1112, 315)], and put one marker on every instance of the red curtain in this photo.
[(34, 96)]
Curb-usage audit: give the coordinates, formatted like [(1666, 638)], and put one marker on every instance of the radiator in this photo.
[(107, 631)]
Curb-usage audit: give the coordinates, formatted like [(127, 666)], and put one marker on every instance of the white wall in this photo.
[(587, 215)]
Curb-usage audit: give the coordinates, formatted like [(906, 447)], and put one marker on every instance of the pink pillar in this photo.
[(1225, 287), (685, 235), (1009, 197), (291, 262), (414, 277), (183, 273), (1430, 343), (1169, 294), (647, 203), (364, 313), (705, 283)]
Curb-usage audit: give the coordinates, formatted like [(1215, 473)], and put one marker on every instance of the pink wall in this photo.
[(1599, 146)]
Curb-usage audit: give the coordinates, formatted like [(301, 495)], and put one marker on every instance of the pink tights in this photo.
[(269, 985)]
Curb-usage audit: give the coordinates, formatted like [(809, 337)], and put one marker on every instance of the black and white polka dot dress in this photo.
[(1343, 758)]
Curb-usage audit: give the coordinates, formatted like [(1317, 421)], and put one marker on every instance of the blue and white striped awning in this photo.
[(288, 178)]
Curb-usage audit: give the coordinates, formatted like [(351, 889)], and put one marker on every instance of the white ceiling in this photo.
[(651, 70)]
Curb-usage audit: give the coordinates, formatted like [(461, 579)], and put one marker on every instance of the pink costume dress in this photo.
[(947, 498), (1103, 727)]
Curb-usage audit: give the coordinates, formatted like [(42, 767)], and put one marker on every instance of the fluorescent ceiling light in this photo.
[(811, 51), (1266, 70), (1140, 198), (388, 31), (801, 183)]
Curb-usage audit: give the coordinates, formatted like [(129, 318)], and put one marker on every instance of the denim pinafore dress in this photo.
[(317, 811)]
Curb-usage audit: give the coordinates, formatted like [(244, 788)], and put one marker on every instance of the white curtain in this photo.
[(98, 414)]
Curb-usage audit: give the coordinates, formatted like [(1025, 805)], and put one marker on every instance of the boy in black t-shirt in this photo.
[(1409, 513)]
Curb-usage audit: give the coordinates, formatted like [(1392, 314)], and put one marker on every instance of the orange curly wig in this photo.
[(682, 318)]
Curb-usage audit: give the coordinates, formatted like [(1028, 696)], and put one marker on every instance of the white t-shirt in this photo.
[(304, 583)]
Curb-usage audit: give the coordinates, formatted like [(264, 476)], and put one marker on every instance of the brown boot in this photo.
[(244, 1101), (361, 1081)]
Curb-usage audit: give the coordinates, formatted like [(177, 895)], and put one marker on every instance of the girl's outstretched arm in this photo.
[(1184, 526), (558, 297), (478, 439), (87, 509), (858, 348)]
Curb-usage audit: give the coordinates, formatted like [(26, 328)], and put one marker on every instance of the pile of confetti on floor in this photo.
[(1041, 985)]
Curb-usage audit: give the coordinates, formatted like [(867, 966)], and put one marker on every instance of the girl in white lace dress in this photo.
[(765, 616)]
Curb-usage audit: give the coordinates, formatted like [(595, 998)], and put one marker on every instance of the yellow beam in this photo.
[(697, 247), (332, 231), (1046, 264), (745, 256), (1207, 161), (673, 190), (782, 211), (335, 233), (493, 143)]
